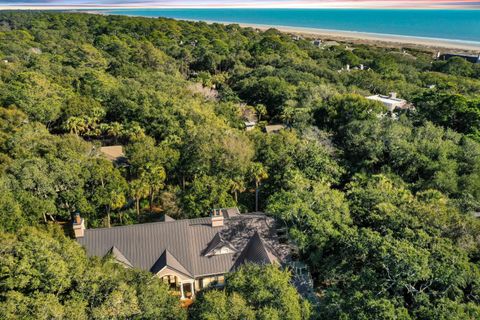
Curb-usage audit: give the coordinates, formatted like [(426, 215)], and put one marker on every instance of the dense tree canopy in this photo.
[(380, 205), (253, 292), (45, 275)]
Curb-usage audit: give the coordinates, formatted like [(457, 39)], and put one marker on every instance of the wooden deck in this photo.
[(186, 303)]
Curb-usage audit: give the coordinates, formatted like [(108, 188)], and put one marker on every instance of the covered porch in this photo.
[(183, 288)]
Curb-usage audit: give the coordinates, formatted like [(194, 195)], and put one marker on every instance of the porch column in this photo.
[(181, 290), (193, 288)]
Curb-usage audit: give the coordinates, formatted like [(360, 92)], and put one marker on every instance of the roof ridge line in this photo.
[(145, 223)]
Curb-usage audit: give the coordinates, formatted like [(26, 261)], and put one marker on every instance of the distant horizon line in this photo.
[(73, 7)]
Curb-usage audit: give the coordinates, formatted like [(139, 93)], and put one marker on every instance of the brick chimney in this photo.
[(217, 218), (78, 226)]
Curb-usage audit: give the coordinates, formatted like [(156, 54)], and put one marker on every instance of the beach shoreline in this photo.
[(369, 38)]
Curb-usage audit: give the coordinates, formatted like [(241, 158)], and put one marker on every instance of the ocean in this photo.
[(458, 25)]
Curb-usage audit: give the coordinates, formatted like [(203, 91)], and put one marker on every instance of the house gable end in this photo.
[(168, 260), (219, 246), (119, 257)]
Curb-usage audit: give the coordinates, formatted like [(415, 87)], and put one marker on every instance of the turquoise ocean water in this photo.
[(459, 25)]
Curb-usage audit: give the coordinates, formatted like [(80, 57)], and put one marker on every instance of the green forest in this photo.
[(381, 206)]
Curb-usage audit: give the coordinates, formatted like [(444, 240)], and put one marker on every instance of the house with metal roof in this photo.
[(189, 254)]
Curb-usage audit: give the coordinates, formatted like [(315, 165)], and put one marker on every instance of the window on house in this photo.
[(198, 285), (223, 250), (213, 281), (206, 282), (171, 281)]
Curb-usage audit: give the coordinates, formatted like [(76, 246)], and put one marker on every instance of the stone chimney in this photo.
[(78, 226), (393, 95), (217, 218)]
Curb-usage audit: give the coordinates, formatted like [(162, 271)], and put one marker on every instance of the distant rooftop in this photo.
[(470, 58), (385, 99), (273, 128), (391, 101), (113, 153)]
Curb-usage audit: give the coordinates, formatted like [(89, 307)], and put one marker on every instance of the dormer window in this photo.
[(223, 250), (218, 246)]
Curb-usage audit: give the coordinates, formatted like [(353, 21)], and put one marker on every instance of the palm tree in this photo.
[(237, 185), (114, 130), (288, 112), (134, 132), (117, 201), (75, 125), (261, 111), (258, 174), (154, 176), (138, 190)]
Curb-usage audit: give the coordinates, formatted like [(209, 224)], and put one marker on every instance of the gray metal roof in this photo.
[(182, 244), (256, 252)]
